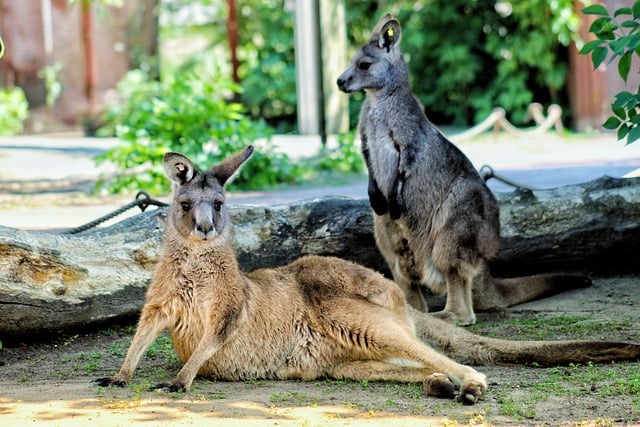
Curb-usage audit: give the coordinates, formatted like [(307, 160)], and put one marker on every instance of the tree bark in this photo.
[(50, 282)]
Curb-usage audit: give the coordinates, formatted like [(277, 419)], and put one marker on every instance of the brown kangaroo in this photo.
[(316, 317), (436, 222)]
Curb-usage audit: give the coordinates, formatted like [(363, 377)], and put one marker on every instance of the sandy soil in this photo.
[(48, 381)]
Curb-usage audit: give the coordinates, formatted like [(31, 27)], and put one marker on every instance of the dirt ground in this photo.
[(49, 381)]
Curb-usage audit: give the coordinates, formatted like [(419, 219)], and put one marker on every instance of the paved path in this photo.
[(45, 161)]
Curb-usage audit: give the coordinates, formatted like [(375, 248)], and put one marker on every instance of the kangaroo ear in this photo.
[(225, 170), (178, 168), (387, 32)]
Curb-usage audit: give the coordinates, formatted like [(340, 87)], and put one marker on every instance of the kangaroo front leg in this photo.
[(396, 207), (206, 348), (152, 323), (221, 326), (376, 199)]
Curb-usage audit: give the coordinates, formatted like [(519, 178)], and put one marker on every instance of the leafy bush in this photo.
[(467, 57), (14, 110), (190, 115), (345, 158), (267, 70), (618, 35)]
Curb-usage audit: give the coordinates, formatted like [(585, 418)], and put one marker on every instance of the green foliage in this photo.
[(346, 157), (49, 74), (267, 71), (191, 115), (467, 57), (14, 110), (617, 36)]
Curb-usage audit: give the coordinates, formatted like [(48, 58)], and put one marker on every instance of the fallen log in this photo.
[(51, 282)]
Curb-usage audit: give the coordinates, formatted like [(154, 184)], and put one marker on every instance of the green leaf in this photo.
[(634, 135), (622, 11), (624, 65), (600, 26), (598, 55), (636, 10), (630, 24), (623, 130), (589, 46), (622, 99), (611, 123), (620, 112), (596, 9)]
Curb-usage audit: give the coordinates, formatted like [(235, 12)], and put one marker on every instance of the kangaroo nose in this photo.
[(341, 82), (204, 228)]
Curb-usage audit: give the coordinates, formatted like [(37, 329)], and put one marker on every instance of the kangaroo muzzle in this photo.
[(204, 226)]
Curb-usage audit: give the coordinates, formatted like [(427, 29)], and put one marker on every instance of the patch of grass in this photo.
[(108, 332), (545, 327), (606, 381), (118, 349), (519, 411), (87, 363), (129, 329), (161, 346), (140, 387)]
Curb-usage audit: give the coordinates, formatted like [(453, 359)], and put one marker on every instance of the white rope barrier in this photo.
[(497, 120)]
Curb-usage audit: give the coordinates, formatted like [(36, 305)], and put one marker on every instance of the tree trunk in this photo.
[(50, 282)]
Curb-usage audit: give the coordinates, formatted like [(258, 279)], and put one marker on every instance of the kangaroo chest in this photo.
[(383, 149)]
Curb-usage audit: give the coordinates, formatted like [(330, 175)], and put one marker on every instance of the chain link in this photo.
[(487, 172)]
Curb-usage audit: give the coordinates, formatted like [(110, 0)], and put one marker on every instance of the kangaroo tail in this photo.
[(506, 292), (467, 347)]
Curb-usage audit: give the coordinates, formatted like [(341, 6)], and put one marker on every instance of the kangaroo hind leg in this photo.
[(459, 306), (399, 355), (394, 246)]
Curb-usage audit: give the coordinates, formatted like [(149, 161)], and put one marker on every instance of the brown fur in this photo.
[(316, 317), (435, 222)]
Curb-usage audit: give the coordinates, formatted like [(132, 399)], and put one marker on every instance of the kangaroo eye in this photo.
[(217, 205), (364, 65), (186, 206)]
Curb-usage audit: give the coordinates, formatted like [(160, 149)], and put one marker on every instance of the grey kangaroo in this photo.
[(436, 222), (313, 318)]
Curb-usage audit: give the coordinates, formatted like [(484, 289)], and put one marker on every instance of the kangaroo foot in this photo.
[(454, 318), (438, 385), (472, 389), (170, 387), (107, 381)]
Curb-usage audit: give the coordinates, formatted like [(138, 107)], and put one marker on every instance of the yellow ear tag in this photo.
[(390, 32)]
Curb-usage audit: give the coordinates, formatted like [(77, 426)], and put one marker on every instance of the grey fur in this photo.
[(436, 222)]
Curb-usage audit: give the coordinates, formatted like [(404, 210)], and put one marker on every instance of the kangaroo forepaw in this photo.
[(107, 381), (170, 387), (395, 210), (439, 385), (379, 205)]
